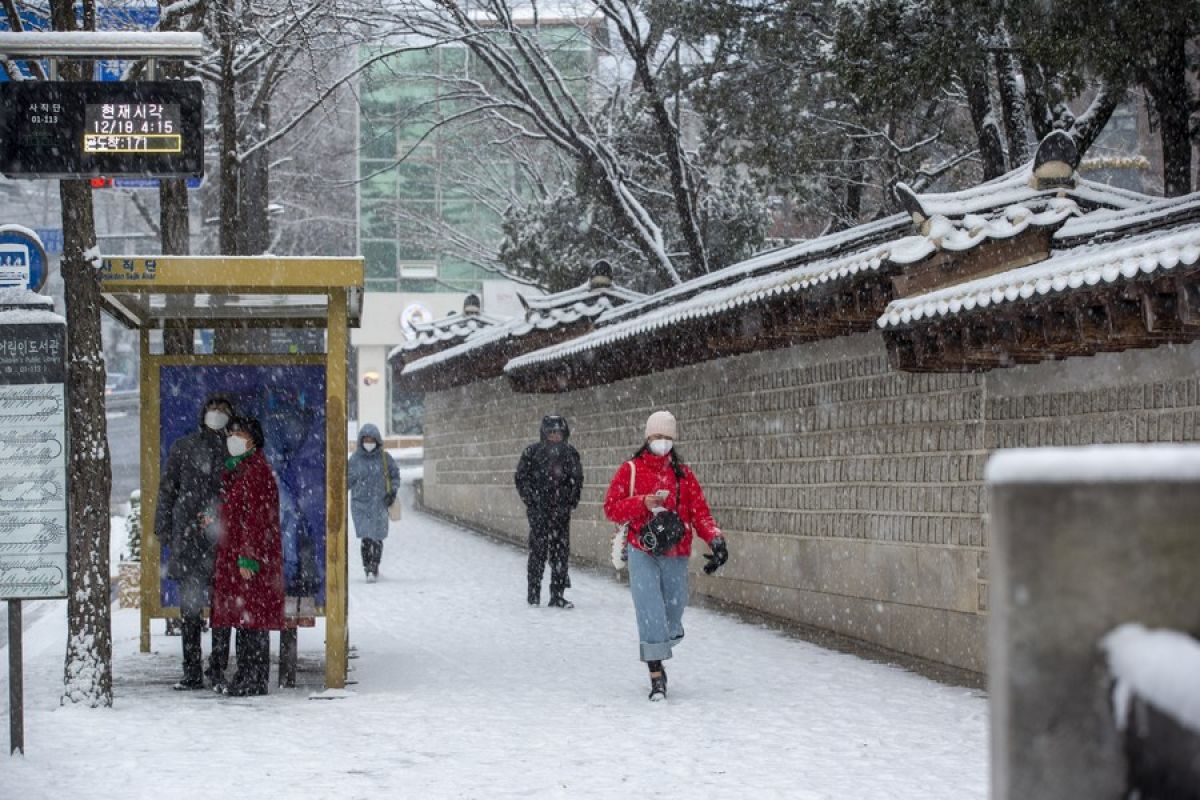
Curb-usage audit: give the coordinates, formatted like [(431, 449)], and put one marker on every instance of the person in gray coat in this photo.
[(189, 489), (372, 478)]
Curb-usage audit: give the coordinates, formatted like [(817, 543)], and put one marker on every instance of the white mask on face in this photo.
[(237, 446), (216, 420), (660, 447), (369, 446)]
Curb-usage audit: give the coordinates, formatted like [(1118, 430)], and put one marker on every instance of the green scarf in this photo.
[(232, 461)]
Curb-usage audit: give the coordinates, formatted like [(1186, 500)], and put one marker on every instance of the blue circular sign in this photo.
[(23, 262)]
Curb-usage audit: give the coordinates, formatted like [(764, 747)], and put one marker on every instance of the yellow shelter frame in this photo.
[(155, 293)]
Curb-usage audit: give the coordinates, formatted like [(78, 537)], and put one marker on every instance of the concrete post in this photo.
[(1083, 539)]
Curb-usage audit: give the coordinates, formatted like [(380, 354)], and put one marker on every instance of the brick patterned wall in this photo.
[(851, 494)]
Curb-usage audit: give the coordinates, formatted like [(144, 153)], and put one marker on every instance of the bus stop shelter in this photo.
[(284, 376)]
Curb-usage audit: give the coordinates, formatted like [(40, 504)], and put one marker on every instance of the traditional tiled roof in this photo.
[(545, 313), (749, 290), (1105, 246), (1089, 265), (447, 329)]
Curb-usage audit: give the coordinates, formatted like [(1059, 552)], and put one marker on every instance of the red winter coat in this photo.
[(652, 473), (249, 530)]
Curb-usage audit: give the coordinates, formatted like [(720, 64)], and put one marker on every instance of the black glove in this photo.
[(720, 554), (389, 498)]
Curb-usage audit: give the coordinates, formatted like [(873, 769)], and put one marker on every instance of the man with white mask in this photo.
[(190, 485)]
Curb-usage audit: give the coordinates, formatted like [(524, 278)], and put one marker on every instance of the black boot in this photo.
[(534, 595), (193, 657), (658, 681), (558, 601)]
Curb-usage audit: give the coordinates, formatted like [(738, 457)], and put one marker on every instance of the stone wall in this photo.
[(851, 494)]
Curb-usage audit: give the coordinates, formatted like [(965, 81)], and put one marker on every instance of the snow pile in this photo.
[(1159, 666), (1095, 464), (19, 306)]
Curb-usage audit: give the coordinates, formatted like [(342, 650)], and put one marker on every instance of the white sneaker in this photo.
[(371, 578)]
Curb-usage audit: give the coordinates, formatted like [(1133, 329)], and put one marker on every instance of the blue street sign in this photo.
[(52, 239), (23, 263), (149, 183)]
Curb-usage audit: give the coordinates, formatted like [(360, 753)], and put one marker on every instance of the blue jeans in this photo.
[(660, 593)]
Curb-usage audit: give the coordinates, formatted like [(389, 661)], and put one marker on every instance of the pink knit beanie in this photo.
[(662, 423)]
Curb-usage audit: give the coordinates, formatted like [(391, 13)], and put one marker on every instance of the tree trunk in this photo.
[(1090, 123), (174, 224), (87, 677), (227, 122), (1167, 82), (1012, 104), (682, 183), (983, 118)]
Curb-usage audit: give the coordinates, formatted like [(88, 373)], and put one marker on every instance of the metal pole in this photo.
[(16, 689)]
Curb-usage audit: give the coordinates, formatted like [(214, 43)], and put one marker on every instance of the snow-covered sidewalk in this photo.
[(463, 691)]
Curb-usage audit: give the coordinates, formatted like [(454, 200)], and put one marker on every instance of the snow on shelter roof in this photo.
[(714, 301), (542, 314), (1088, 265)]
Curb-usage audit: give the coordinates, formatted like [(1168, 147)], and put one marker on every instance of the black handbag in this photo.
[(664, 530)]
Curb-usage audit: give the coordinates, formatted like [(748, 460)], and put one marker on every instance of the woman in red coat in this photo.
[(661, 502), (248, 573)]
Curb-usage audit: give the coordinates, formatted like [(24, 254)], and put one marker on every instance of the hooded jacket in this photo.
[(650, 474), (367, 477), (549, 475), (190, 485)]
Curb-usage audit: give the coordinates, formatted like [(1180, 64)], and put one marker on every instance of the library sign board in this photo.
[(72, 129), (33, 459)]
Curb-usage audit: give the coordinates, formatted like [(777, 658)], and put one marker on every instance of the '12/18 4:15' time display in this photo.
[(132, 128), (84, 129)]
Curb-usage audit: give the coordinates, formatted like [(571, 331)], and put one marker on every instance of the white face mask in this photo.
[(237, 446), (660, 447), (216, 420), (369, 446)]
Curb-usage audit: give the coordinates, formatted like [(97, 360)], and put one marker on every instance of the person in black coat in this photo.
[(187, 495), (549, 478)]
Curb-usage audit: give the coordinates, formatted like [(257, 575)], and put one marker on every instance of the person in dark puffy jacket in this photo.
[(549, 478), (190, 485), (649, 485)]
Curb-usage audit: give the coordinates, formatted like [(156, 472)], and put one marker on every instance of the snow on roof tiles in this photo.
[(866, 233), (1083, 266), (1160, 212), (455, 326), (545, 313), (714, 301), (1017, 187)]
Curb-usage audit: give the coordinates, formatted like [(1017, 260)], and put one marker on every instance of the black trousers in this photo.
[(192, 626), (372, 552), (254, 658), (218, 660), (549, 540)]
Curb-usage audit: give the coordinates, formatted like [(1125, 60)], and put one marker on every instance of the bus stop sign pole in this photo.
[(16, 681)]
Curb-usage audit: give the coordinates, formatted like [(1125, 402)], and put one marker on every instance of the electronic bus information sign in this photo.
[(84, 129)]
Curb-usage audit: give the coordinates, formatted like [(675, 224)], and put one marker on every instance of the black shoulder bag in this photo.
[(665, 529)]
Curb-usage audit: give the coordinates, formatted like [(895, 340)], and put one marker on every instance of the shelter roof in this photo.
[(228, 292)]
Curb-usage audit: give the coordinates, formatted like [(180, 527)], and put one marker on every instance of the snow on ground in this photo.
[(463, 691)]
